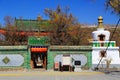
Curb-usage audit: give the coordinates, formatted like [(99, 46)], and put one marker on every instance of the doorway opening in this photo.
[(39, 57)]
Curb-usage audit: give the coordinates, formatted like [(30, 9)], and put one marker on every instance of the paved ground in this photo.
[(51, 75)]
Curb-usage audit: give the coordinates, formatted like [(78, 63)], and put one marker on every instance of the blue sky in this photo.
[(85, 11)]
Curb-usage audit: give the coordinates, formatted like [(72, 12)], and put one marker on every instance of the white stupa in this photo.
[(103, 48)]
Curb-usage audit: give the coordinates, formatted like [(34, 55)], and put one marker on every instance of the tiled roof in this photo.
[(32, 25)]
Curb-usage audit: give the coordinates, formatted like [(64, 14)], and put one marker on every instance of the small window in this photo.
[(101, 37), (77, 63)]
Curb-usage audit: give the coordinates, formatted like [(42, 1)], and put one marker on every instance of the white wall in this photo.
[(111, 54)]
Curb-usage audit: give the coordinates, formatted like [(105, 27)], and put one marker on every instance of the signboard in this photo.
[(66, 60), (56, 65), (42, 40)]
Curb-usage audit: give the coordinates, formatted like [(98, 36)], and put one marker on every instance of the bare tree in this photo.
[(13, 35), (114, 5), (0, 26), (60, 20), (9, 21), (10, 37)]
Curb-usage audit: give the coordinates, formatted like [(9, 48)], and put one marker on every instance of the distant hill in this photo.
[(95, 25)]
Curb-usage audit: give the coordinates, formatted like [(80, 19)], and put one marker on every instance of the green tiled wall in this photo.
[(52, 54), (16, 50)]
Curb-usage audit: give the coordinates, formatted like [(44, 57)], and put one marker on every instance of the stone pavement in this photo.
[(54, 75), (45, 73)]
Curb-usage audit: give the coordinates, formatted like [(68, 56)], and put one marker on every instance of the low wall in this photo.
[(82, 52), (14, 57)]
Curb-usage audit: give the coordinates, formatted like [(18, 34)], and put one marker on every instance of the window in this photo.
[(77, 63), (101, 37)]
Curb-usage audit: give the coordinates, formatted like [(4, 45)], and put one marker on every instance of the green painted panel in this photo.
[(41, 41), (112, 44), (50, 61), (106, 44), (98, 44), (89, 59), (95, 44), (28, 59)]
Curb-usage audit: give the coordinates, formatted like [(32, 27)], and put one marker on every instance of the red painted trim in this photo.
[(38, 49)]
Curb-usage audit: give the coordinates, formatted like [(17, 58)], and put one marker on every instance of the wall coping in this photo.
[(70, 48), (13, 47)]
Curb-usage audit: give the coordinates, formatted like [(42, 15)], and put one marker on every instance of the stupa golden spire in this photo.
[(100, 22)]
